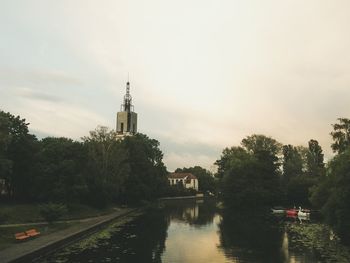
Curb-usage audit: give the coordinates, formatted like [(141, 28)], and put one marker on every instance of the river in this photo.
[(197, 232)]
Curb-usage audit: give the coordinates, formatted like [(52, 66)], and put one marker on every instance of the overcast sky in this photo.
[(204, 73)]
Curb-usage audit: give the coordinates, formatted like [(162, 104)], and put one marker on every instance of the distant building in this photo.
[(188, 180), (126, 118)]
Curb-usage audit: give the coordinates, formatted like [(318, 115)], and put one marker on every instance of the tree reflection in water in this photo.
[(193, 212), (195, 232), (250, 236), (141, 240)]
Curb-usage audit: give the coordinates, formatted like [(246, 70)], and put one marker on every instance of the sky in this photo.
[(204, 74)]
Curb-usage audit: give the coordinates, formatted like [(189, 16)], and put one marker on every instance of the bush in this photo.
[(3, 216), (52, 212)]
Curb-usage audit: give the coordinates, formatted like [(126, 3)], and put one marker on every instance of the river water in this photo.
[(196, 231)]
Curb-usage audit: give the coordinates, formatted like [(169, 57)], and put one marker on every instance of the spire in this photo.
[(127, 106)]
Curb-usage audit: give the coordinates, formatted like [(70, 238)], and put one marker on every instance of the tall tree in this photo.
[(107, 166), (292, 162), (249, 174), (266, 150), (341, 135), (315, 164), (332, 194), (147, 178), (60, 166), (17, 154)]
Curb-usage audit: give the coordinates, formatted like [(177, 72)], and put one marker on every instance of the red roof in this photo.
[(186, 176)]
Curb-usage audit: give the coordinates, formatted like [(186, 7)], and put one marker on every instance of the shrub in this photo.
[(3, 216), (52, 212)]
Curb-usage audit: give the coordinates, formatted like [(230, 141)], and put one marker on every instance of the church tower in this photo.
[(127, 118)]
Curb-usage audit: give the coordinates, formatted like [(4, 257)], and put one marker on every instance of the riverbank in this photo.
[(28, 250)]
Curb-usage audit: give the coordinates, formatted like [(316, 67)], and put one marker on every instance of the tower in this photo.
[(127, 118)]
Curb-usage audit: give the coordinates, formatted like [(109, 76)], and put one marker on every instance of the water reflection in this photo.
[(192, 212), (250, 237), (197, 232)]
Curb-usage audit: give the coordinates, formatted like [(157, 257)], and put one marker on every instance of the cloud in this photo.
[(224, 71), (37, 95)]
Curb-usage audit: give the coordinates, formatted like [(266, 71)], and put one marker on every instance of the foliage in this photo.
[(298, 190), (315, 164), (99, 170), (249, 176), (147, 177), (333, 193), (17, 154), (59, 168), (341, 135), (52, 211), (206, 180), (292, 162), (127, 170)]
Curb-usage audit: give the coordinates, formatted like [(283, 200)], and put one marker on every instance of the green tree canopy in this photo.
[(333, 194), (341, 135), (249, 175), (315, 164), (17, 154)]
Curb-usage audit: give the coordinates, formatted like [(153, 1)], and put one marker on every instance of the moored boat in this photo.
[(278, 210), (292, 212), (303, 213)]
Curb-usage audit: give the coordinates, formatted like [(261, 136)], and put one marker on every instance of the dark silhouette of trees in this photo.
[(17, 153), (249, 175), (341, 135), (96, 171)]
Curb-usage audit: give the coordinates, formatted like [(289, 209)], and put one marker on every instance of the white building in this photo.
[(188, 180)]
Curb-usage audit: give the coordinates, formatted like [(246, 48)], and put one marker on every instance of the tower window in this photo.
[(122, 127)]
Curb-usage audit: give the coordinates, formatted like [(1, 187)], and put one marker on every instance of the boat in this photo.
[(292, 212), (303, 213), (278, 210)]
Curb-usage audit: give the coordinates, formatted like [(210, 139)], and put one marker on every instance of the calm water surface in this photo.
[(197, 232)]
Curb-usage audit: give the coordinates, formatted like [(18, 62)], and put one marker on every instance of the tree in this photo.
[(147, 177), (292, 162), (315, 164), (260, 144), (17, 154), (341, 135), (107, 166), (249, 176), (266, 150), (206, 181), (60, 166), (332, 195)]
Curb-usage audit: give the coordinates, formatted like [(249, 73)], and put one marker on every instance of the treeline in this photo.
[(96, 171), (262, 172)]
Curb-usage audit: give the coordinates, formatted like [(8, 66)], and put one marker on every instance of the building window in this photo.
[(122, 127)]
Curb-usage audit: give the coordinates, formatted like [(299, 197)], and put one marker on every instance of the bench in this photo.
[(27, 234), (21, 236), (32, 232)]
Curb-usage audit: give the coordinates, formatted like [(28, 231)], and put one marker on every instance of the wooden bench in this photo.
[(27, 234), (32, 232), (21, 236)]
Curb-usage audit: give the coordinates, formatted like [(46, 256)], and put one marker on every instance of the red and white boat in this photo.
[(292, 212)]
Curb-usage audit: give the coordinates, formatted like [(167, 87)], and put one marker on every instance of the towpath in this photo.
[(25, 251)]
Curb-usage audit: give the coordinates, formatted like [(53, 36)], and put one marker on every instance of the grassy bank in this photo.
[(7, 234), (30, 213)]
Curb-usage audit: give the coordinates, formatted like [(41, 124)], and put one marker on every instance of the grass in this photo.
[(30, 213), (7, 238)]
